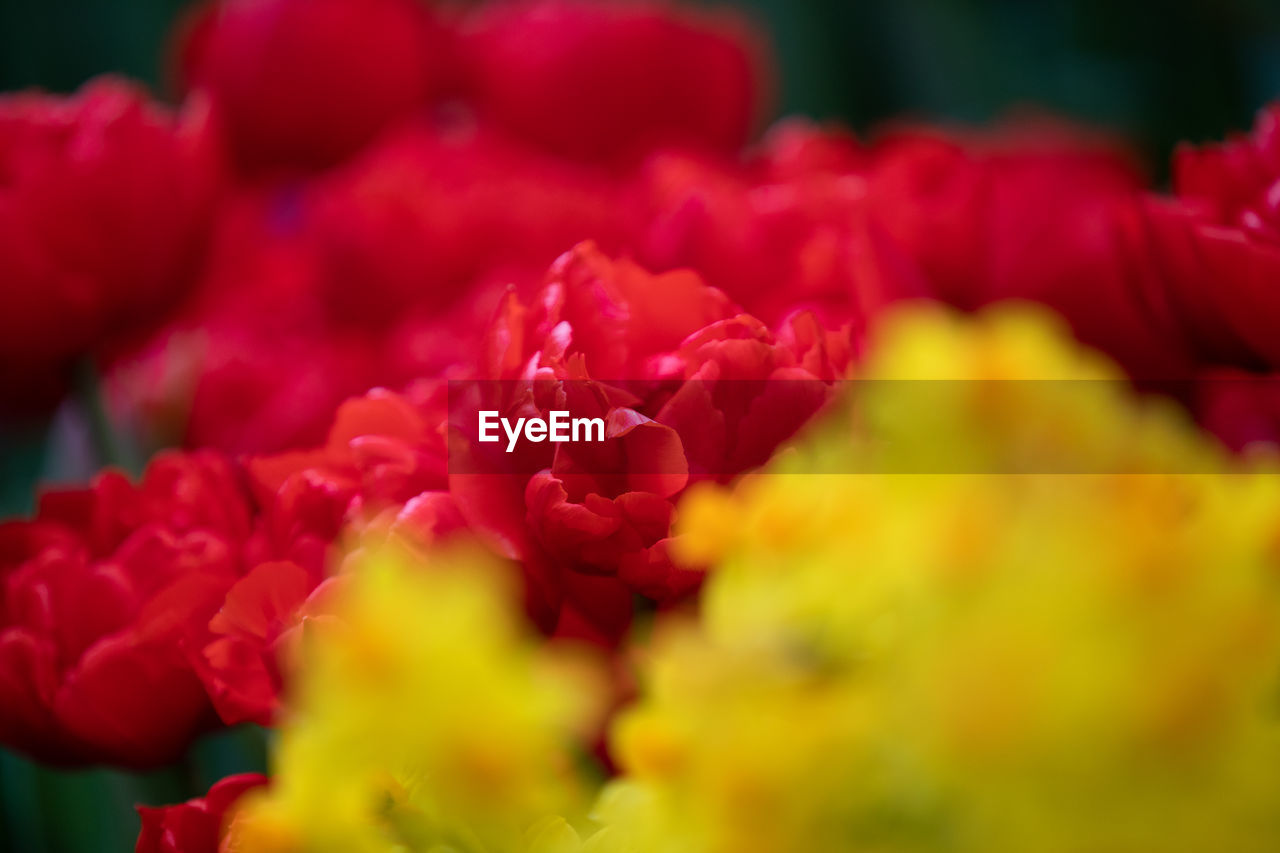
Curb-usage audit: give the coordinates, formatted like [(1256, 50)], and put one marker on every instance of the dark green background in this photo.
[(1157, 70)]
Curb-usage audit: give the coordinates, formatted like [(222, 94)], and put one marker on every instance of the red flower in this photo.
[(417, 222), (1240, 408), (256, 394), (102, 594), (250, 366), (606, 81), (676, 364), (388, 447), (743, 390), (306, 83), (612, 314), (791, 228), (1035, 211), (103, 205), (593, 312), (1216, 248), (381, 468), (194, 826), (241, 667), (378, 273)]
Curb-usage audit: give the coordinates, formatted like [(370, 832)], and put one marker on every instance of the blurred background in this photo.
[(1156, 70)]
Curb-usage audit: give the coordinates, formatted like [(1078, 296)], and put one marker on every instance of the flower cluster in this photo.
[(942, 662), (369, 220)]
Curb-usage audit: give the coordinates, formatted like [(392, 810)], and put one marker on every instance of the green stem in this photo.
[(110, 445), (19, 805)]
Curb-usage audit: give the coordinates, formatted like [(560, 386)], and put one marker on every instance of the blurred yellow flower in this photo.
[(425, 720), (1045, 619)]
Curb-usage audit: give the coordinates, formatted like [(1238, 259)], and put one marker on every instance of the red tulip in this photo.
[(103, 209), (1242, 409), (302, 84), (382, 468), (418, 221), (378, 273), (240, 668), (686, 387), (1035, 211), (103, 594), (249, 366), (792, 228), (607, 81), (194, 826), (1215, 248)]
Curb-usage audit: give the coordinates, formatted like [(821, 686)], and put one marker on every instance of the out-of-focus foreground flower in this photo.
[(1033, 661), (426, 719)]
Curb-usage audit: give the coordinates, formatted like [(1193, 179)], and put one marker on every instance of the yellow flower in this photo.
[(425, 720), (1028, 612)]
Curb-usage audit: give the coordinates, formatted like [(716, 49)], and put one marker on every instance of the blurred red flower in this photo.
[(196, 825), (104, 201), (1036, 210), (790, 228), (103, 593), (302, 84), (251, 365), (1215, 248), (1242, 409), (382, 271), (605, 81), (418, 221)]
